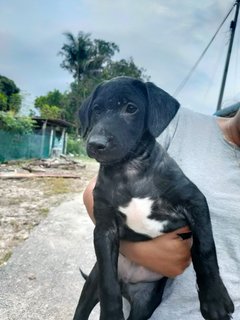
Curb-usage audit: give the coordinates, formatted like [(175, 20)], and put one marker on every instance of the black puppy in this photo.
[(141, 193)]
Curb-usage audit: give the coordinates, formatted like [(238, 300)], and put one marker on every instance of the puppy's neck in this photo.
[(143, 149)]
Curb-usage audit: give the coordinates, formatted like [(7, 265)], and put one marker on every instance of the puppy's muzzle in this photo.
[(96, 145)]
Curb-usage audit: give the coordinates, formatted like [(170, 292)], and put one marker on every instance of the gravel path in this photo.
[(41, 280), (24, 203)]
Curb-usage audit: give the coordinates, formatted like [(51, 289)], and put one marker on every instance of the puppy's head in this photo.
[(117, 114)]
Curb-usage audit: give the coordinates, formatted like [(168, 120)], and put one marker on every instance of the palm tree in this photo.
[(76, 54), (84, 57)]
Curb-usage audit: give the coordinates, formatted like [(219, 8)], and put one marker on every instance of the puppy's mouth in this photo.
[(102, 150), (105, 157)]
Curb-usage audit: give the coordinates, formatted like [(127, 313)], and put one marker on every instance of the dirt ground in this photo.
[(25, 202)]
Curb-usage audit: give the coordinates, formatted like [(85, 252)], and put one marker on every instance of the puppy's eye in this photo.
[(97, 109), (131, 108)]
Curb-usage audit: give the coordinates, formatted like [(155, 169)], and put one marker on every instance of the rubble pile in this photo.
[(63, 166)]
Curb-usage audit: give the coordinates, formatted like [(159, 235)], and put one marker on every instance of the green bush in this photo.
[(76, 146), (50, 112), (16, 124), (3, 102)]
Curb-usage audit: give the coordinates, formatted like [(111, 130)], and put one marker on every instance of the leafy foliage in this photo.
[(10, 122), (76, 146), (7, 86), (52, 105), (53, 98), (84, 57), (15, 101), (75, 97), (3, 102), (123, 68), (10, 98), (50, 112)]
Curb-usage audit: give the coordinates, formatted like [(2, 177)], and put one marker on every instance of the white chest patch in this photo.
[(137, 213)]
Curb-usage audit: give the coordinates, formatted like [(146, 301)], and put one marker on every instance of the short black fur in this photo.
[(121, 119)]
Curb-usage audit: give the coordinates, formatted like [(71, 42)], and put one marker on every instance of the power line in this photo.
[(183, 83)]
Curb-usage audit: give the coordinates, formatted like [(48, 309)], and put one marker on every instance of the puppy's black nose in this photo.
[(96, 144)]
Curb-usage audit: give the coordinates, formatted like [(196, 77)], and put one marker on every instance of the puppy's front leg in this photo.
[(106, 243), (215, 302)]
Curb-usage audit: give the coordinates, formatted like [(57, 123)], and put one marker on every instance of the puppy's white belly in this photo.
[(129, 271), (137, 214)]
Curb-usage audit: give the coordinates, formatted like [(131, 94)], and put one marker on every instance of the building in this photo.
[(49, 138)]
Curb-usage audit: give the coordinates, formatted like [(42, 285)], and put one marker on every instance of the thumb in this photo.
[(183, 232)]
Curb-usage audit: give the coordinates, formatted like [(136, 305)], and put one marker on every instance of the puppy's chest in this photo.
[(141, 206), (139, 216)]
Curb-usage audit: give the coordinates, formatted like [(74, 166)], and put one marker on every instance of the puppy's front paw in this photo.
[(215, 303)]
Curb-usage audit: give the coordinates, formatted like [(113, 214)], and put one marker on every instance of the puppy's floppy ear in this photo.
[(84, 115), (161, 109), (85, 111)]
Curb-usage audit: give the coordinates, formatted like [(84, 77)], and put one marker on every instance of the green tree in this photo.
[(8, 86), (10, 98), (52, 105), (50, 112), (124, 68), (84, 57), (15, 101), (3, 102), (74, 98), (10, 122), (53, 98)]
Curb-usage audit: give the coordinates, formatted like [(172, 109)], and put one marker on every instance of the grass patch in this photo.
[(44, 212), (14, 201), (6, 257), (56, 186)]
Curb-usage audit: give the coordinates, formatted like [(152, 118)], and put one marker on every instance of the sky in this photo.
[(165, 37)]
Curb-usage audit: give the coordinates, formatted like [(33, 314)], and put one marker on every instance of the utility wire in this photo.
[(183, 83), (215, 68)]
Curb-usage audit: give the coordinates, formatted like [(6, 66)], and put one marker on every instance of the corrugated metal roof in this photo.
[(54, 122)]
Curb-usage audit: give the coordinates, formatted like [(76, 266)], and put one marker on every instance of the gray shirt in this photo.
[(197, 144)]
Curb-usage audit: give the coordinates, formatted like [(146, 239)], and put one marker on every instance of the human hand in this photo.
[(167, 254)]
